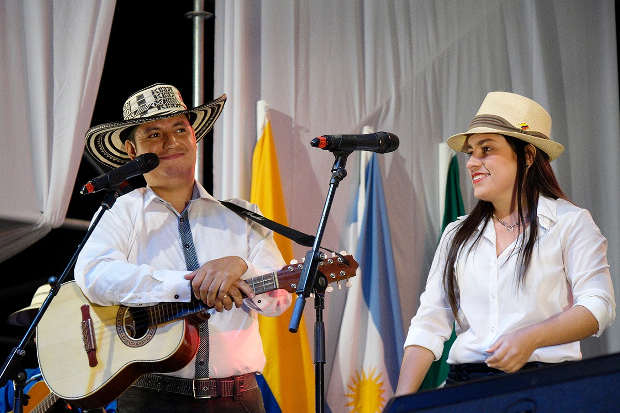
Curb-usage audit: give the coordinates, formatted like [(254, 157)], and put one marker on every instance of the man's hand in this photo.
[(511, 351), (218, 283)]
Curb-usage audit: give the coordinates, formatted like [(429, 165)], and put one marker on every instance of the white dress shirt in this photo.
[(568, 267), (135, 257)]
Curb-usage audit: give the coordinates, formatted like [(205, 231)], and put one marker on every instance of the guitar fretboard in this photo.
[(164, 312), (46, 403)]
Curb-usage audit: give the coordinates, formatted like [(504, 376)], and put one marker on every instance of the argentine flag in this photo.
[(369, 352)]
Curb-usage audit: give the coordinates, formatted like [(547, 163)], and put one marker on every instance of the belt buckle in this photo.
[(194, 391)]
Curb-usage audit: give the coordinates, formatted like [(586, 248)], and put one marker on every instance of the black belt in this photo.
[(199, 388), (470, 371), (483, 368)]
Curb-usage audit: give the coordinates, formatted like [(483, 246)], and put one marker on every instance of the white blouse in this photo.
[(568, 267)]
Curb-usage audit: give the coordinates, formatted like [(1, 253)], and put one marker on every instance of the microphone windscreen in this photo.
[(390, 143), (147, 162)]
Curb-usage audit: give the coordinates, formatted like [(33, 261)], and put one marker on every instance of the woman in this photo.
[(524, 276)]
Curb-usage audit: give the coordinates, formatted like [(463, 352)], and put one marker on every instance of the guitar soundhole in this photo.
[(134, 327), (136, 323)]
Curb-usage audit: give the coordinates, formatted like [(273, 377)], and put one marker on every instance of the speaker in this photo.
[(591, 385)]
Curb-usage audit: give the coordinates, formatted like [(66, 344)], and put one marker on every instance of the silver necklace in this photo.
[(508, 227)]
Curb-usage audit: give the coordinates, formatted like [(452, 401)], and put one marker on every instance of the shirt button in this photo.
[(181, 219), (201, 362), (259, 301), (176, 296), (186, 245)]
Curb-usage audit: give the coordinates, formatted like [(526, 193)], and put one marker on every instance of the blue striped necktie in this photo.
[(191, 262)]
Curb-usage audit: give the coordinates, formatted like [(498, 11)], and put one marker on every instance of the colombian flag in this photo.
[(289, 371)]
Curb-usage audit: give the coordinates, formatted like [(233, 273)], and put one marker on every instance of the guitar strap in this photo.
[(299, 237)]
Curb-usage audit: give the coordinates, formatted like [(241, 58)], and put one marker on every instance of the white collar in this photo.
[(546, 212)]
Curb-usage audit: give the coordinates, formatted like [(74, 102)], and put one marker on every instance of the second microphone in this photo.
[(380, 142), (141, 165)]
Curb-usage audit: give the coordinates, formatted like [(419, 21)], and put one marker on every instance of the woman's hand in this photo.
[(511, 351)]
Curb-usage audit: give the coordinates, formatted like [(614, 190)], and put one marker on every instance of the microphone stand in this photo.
[(311, 281), (12, 368)]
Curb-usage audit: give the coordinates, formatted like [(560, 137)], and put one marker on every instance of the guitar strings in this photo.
[(166, 312)]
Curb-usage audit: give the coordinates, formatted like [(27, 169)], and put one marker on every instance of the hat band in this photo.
[(497, 122)]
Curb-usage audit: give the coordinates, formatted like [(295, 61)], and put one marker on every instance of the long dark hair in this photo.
[(531, 182)]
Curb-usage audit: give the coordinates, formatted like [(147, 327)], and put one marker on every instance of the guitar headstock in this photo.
[(335, 269)]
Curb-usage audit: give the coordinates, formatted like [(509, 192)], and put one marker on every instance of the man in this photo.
[(171, 241)]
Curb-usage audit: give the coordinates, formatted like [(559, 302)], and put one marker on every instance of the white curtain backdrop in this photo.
[(419, 69), (51, 59)]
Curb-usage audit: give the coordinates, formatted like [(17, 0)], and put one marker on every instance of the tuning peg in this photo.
[(344, 252), (303, 259), (293, 261), (349, 284), (333, 254), (329, 289), (339, 285)]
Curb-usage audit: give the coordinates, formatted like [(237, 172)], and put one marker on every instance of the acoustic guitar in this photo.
[(40, 399), (89, 354)]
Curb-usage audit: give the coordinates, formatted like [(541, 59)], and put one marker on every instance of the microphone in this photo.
[(141, 165), (380, 142)]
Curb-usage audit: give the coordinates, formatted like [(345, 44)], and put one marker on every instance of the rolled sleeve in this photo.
[(585, 255), (426, 339)]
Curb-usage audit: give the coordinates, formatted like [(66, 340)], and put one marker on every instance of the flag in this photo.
[(369, 352), (289, 372), (453, 209)]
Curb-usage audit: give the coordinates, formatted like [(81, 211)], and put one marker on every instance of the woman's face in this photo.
[(492, 166)]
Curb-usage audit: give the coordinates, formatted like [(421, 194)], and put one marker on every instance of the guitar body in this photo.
[(125, 347)]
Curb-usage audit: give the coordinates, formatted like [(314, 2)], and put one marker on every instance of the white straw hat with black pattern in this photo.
[(511, 115), (106, 142), (25, 316)]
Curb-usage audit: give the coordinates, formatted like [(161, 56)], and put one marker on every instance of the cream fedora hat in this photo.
[(511, 115), (24, 316), (106, 142)]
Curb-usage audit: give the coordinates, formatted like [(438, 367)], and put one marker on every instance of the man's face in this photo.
[(174, 142)]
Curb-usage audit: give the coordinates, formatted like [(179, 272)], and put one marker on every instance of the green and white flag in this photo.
[(453, 209)]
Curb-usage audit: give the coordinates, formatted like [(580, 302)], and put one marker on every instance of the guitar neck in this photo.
[(45, 404), (164, 312), (334, 269), (264, 283)]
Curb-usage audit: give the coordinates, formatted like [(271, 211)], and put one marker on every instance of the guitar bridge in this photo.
[(88, 336)]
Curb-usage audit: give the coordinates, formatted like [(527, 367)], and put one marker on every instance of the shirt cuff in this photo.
[(250, 272), (427, 340), (174, 287), (599, 310)]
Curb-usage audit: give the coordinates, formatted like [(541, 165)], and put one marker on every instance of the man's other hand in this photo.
[(218, 283)]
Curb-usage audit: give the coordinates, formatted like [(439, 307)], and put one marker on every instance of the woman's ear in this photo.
[(130, 149), (530, 154)]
